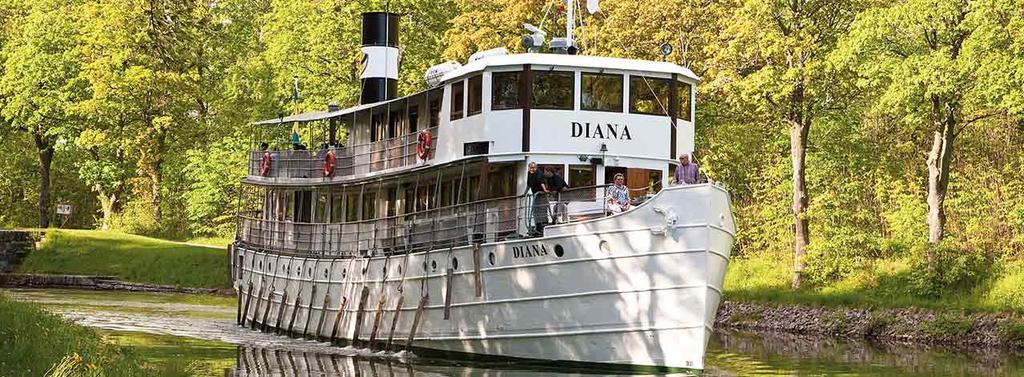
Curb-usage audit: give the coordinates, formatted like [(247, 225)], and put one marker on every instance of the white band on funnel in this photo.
[(379, 62)]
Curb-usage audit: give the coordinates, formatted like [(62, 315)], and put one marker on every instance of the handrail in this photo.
[(488, 220), (351, 160)]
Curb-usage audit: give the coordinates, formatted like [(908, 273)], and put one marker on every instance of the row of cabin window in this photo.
[(555, 90)]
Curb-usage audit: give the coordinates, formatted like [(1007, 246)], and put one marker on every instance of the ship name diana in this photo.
[(601, 131), (529, 251)]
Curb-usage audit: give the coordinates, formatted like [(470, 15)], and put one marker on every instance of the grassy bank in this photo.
[(879, 284), (33, 341), (129, 257)]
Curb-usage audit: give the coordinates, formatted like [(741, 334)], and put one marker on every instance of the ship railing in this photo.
[(490, 220), (350, 160)]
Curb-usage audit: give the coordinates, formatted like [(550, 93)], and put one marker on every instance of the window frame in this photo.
[(684, 87), (476, 93), (622, 90), (572, 85), (461, 110), (632, 99), (495, 98)]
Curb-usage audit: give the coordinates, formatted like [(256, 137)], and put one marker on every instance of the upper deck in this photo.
[(548, 108)]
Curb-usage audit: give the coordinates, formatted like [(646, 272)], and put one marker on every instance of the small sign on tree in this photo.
[(64, 209)]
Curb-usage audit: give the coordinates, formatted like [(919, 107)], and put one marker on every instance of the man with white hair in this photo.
[(687, 172)]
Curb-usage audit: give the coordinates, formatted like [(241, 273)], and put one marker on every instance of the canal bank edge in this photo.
[(911, 325)]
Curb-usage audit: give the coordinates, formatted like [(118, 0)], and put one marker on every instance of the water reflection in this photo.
[(195, 330), (743, 354)]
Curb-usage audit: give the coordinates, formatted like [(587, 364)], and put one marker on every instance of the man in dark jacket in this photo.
[(535, 182)]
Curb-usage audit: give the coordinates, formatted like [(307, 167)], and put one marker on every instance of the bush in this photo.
[(952, 269), (834, 258), (1007, 290)]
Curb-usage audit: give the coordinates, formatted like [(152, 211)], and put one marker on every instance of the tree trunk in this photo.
[(156, 179), (939, 159), (45, 162), (799, 125)]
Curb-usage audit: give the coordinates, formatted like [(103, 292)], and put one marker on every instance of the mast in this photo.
[(570, 22)]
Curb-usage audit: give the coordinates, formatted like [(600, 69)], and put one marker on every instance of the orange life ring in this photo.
[(423, 145), (329, 163), (265, 164)]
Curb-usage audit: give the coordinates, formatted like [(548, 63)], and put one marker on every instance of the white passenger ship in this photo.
[(407, 223)]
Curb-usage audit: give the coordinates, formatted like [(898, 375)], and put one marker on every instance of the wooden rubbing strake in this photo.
[(280, 312), (416, 321), (394, 323), (248, 299), (338, 318), (266, 309), (309, 312), (476, 271), (448, 273), (376, 320), (295, 310), (363, 296), (323, 314), (256, 309)]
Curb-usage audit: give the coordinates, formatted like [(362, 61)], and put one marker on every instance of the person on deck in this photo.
[(687, 172), (554, 185), (618, 195), (535, 184)]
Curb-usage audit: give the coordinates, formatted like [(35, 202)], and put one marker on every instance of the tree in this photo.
[(774, 54), (925, 60), (40, 83)]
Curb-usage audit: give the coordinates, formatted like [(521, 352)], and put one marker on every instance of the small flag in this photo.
[(592, 6)]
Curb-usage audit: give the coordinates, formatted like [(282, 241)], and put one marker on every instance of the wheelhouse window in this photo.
[(683, 112), (457, 91), (553, 90), (648, 95), (601, 92), (476, 94), (505, 90)]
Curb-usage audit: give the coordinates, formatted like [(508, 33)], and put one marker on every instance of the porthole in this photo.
[(399, 269), (344, 272), (604, 247), (270, 267), (325, 273), (261, 265), (559, 252), (455, 263), (433, 265), (490, 258), (309, 272)]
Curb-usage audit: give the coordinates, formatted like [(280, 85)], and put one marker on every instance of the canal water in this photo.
[(200, 331)]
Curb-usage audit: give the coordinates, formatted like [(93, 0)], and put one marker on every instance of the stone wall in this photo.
[(14, 246)]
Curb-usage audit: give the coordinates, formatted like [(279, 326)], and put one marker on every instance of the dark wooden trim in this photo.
[(673, 106), (526, 100)]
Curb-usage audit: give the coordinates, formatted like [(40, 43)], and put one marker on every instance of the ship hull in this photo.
[(636, 289)]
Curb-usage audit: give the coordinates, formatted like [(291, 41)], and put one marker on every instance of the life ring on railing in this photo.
[(329, 163), (265, 164), (423, 145)]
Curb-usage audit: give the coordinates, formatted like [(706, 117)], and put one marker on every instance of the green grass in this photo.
[(880, 284), (32, 341), (129, 257)]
